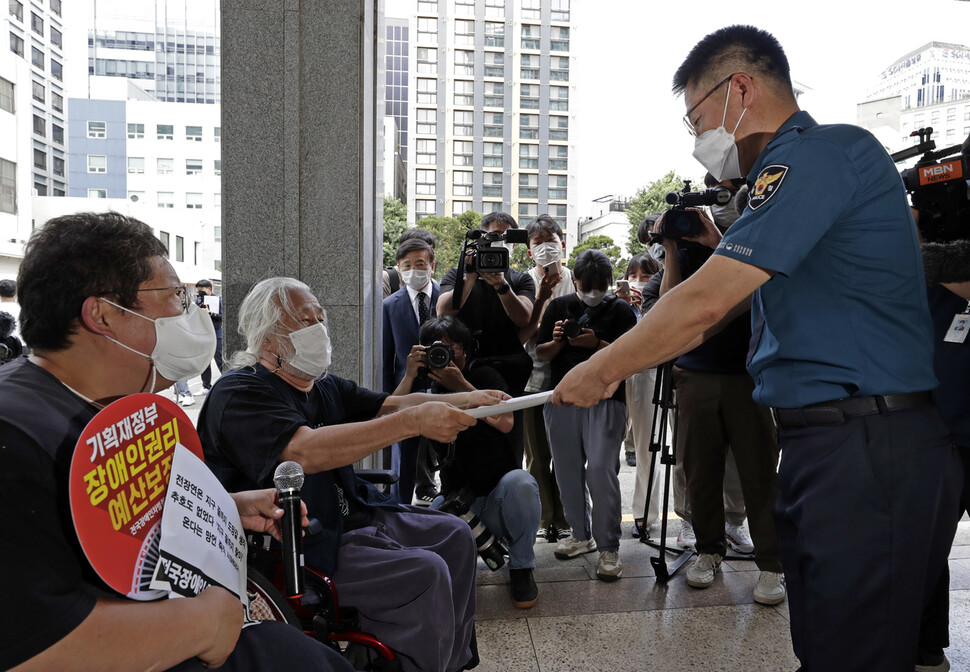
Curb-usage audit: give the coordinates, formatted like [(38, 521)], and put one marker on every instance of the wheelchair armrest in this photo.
[(378, 476)]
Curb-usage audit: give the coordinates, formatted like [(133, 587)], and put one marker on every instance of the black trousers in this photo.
[(865, 516)]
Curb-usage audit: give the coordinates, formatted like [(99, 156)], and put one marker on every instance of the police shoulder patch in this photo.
[(767, 185)]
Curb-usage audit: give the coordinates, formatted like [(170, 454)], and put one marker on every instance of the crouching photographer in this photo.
[(481, 473)]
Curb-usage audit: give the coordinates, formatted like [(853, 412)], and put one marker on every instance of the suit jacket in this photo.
[(400, 333)]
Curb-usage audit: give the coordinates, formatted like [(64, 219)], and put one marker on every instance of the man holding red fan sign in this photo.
[(106, 317)]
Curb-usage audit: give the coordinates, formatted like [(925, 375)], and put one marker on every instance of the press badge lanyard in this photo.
[(957, 333)]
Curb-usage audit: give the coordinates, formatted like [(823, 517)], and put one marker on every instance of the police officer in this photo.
[(841, 351)]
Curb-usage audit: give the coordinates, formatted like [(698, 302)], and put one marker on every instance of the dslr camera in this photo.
[(439, 356), (679, 222), (572, 328), (490, 549), (485, 252)]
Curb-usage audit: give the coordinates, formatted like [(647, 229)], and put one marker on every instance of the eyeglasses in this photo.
[(179, 292), (687, 122)]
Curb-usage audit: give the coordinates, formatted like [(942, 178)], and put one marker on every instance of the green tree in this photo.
[(647, 200), (395, 223), (604, 243), (450, 234)]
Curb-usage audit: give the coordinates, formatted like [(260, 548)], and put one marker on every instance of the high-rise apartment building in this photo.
[(490, 118), (937, 72), (396, 80)]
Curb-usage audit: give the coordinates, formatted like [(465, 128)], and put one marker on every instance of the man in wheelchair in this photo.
[(95, 292), (409, 572)]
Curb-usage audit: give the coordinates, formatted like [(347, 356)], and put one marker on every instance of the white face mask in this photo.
[(184, 344), (725, 215), (416, 278), (715, 149), (594, 297), (312, 350), (637, 286), (547, 253)]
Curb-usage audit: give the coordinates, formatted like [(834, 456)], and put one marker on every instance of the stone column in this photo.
[(300, 155)]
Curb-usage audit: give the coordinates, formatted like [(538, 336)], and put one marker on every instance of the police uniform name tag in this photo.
[(957, 333)]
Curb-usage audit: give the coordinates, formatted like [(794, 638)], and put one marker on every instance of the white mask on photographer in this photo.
[(637, 286), (312, 350), (547, 253), (593, 297), (416, 278), (715, 149)]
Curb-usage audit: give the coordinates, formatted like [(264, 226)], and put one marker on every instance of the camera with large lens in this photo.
[(438, 355), (679, 222), (490, 549), (486, 251), (572, 328)]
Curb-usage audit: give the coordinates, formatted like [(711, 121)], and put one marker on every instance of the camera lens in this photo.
[(438, 355)]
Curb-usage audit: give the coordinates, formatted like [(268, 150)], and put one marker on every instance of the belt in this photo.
[(836, 412)]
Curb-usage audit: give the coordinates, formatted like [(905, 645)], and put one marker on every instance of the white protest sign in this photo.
[(202, 540), (212, 303)]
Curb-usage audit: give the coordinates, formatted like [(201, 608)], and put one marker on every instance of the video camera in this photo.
[(679, 222), (487, 249), (938, 187)]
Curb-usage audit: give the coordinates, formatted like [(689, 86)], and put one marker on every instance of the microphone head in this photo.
[(288, 476)]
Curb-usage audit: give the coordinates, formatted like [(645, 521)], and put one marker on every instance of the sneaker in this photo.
[(738, 538), (686, 538), (701, 574), (609, 568), (186, 400), (631, 459), (572, 547), (525, 594), (424, 497), (770, 589)]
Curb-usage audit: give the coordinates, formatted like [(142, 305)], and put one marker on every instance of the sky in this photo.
[(628, 130)]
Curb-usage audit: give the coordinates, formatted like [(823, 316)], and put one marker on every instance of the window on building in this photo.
[(38, 91), (494, 94), (136, 131), (492, 154), (492, 185), (560, 39), (40, 126), (57, 101), (57, 39), (136, 165), (560, 10), (494, 125), (423, 208), (39, 187), (193, 133), (17, 10), (57, 134), (163, 236), (8, 186), (196, 252), (557, 187), (425, 6), (530, 67), (165, 166), (558, 98), (57, 70), (558, 155), (427, 121), (427, 59), (495, 8), (58, 166), (528, 156), (217, 265), (166, 199), (56, 6), (531, 9), (494, 34), (559, 69), (37, 57), (165, 132), (528, 210), (462, 183), (37, 23), (427, 92), (427, 30), (528, 185), (217, 166), (217, 202), (529, 126), (464, 122), (193, 201), (529, 96), (530, 36), (424, 182), (217, 234), (494, 64), (97, 163), (465, 7), (464, 62), (464, 32), (193, 166), (558, 128), (40, 159), (460, 207), (97, 129), (97, 193), (425, 152), (951, 114), (6, 95), (464, 92), (136, 196), (558, 211), (59, 188), (16, 44), (463, 152)]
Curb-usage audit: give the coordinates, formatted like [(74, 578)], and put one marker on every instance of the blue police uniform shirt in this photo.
[(845, 313)]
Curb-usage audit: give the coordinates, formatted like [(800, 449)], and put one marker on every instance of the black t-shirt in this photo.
[(609, 320), (48, 587), (248, 419), (482, 454)]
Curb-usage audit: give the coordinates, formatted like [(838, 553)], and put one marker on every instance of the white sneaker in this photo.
[(738, 538), (686, 538), (609, 568), (770, 589), (701, 574), (571, 547), (187, 400)]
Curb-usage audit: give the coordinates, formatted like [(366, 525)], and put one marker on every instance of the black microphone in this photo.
[(289, 479)]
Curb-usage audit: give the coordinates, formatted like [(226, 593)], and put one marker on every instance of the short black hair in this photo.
[(643, 231), (543, 223), (593, 269), (733, 49), (411, 245), (452, 327), (419, 234), (642, 263), (493, 217), (203, 283), (8, 289), (76, 256)]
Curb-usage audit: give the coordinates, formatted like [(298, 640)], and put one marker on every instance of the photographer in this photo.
[(203, 289), (481, 464), (585, 443)]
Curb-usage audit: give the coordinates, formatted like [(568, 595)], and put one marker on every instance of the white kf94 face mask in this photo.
[(416, 278), (547, 253), (312, 350), (715, 149)]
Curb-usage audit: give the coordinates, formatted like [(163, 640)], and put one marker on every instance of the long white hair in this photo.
[(260, 315)]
